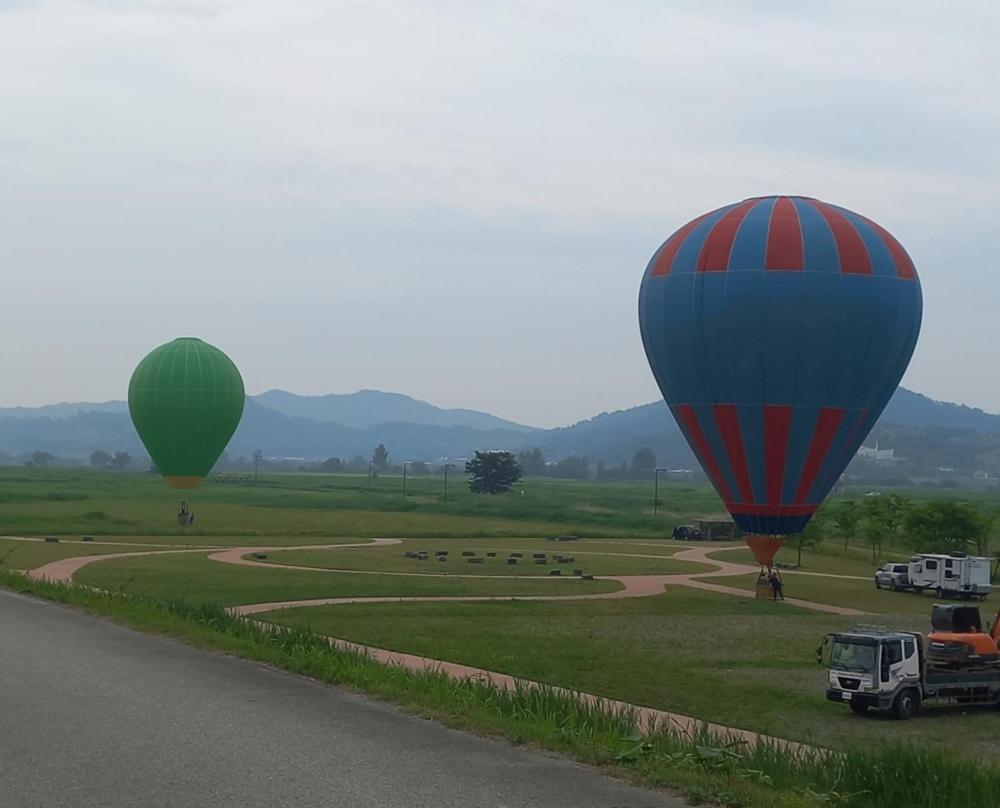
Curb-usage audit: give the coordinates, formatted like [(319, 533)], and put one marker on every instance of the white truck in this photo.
[(951, 576), (884, 669)]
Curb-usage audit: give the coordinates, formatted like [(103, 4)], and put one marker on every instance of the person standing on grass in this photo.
[(776, 586)]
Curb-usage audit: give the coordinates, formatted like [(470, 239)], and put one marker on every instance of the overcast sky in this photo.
[(457, 200)]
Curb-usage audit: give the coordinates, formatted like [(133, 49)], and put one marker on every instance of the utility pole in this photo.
[(257, 457), (656, 491), (405, 464), (446, 467), (371, 475)]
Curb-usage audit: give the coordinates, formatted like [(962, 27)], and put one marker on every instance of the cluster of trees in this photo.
[(574, 467), (934, 526)]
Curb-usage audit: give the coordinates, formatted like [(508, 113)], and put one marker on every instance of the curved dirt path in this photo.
[(633, 586)]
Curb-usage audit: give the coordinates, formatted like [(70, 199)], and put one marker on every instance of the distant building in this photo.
[(878, 455)]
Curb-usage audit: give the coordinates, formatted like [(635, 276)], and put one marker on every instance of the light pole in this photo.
[(446, 467), (257, 457), (656, 491), (405, 464), (371, 464)]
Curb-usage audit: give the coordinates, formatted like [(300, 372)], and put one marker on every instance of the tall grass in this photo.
[(706, 767)]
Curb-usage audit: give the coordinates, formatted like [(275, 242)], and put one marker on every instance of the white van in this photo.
[(956, 575)]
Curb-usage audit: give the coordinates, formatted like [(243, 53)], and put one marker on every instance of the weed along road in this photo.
[(96, 715)]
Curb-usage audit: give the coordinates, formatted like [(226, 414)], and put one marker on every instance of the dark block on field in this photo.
[(578, 572), (52, 539), (555, 572), (468, 553), (87, 538), (475, 560), (511, 560), (517, 555), (422, 556), (587, 577), (567, 538), (410, 554), (567, 560), (541, 561), (442, 558), (491, 554), (538, 555), (258, 556), (551, 538), (441, 552)]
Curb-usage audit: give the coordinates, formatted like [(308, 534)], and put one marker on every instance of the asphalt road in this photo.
[(93, 715)]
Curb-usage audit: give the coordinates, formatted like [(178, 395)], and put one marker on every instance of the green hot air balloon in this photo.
[(186, 400)]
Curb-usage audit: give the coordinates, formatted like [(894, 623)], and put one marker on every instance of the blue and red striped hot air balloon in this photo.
[(777, 329)]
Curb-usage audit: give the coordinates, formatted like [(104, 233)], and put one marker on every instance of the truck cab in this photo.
[(874, 667)]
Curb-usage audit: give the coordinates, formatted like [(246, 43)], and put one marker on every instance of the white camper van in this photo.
[(951, 576)]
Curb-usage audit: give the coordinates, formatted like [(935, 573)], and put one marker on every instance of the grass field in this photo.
[(746, 663), (729, 659), (598, 558), (195, 579)]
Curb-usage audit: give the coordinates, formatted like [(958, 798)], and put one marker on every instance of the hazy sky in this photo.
[(456, 200)]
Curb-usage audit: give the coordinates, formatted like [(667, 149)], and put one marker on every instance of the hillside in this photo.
[(284, 425)]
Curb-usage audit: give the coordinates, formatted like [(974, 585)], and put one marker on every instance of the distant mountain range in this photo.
[(285, 425)]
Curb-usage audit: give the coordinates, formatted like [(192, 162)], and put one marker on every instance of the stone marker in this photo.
[(555, 572), (52, 539)]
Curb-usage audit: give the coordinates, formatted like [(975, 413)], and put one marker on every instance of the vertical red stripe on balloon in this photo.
[(686, 414), (777, 425), (729, 426), (826, 428), (784, 237), (714, 255), (904, 265), (669, 249), (854, 258)]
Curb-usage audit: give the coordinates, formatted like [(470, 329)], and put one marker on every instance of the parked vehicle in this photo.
[(893, 576), (956, 575), (686, 533), (883, 669)]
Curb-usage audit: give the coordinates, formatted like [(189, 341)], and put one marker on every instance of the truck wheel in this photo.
[(877, 584), (858, 708), (906, 705)]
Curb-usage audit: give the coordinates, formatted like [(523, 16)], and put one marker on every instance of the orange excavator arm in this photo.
[(995, 631)]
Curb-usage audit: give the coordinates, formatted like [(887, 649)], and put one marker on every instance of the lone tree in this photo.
[(380, 457), (40, 458), (492, 472), (643, 462), (101, 459), (811, 536), (121, 460), (847, 516)]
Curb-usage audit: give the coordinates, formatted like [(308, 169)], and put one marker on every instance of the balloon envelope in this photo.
[(777, 329), (186, 399)]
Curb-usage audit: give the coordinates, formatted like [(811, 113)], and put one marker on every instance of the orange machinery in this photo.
[(958, 638)]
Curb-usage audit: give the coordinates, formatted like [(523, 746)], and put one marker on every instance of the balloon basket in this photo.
[(764, 590)]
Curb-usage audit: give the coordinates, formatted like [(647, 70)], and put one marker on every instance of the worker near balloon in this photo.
[(777, 329)]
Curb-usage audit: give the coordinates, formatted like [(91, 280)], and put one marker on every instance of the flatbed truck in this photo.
[(871, 667)]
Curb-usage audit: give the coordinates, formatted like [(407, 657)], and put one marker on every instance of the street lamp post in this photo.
[(405, 464), (656, 491), (446, 467)]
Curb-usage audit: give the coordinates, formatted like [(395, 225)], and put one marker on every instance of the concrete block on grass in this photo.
[(555, 572), (87, 538), (468, 553), (511, 560), (51, 539), (541, 561)]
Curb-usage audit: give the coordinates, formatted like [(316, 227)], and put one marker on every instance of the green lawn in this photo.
[(737, 661), (196, 579), (25, 555), (596, 559), (844, 592), (827, 558)]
